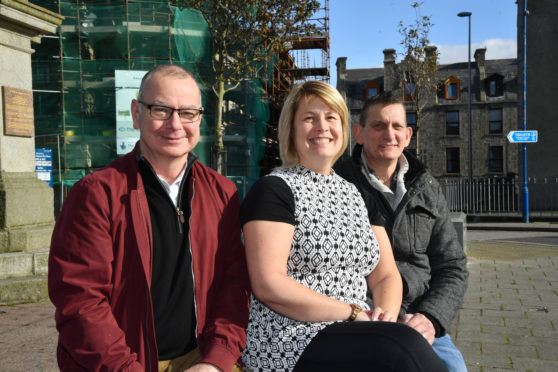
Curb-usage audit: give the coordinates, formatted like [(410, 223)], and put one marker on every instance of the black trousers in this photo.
[(369, 346)]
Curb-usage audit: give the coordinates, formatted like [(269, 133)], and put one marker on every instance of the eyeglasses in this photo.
[(159, 112)]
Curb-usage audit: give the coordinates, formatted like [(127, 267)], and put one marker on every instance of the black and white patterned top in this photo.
[(332, 252)]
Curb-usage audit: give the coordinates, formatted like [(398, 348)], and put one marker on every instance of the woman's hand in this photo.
[(378, 314), (363, 316)]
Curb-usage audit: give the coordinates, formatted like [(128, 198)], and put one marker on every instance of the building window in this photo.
[(492, 88), (372, 89), (495, 121), (452, 122), (412, 121), (495, 85), (408, 91), (451, 88), (452, 160), (495, 159)]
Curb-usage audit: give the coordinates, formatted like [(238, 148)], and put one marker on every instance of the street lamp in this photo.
[(468, 15)]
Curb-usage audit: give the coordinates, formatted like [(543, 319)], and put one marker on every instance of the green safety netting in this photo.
[(73, 80)]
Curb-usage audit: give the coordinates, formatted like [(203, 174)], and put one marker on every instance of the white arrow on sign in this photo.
[(523, 136)]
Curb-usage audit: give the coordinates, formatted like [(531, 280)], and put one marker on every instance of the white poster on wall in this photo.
[(126, 85)]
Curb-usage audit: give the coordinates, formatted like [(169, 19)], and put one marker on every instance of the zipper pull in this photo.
[(180, 215)]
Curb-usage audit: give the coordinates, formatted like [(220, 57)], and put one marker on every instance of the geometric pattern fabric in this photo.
[(332, 252)]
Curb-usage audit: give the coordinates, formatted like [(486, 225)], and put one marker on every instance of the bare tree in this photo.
[(419, 66), (245, 36)]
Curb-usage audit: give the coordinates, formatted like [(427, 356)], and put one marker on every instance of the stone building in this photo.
[(542, 54), (444, 132)]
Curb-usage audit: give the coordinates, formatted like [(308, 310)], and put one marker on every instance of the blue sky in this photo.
[(361, 29)]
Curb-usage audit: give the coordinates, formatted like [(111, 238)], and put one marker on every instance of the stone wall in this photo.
[(26, 203)]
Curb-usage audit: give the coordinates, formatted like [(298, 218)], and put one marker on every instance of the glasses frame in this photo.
[(149, 106)]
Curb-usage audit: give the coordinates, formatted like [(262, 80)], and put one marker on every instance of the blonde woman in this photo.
[(312, 255)]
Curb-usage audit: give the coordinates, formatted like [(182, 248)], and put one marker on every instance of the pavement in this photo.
[(508, 322)]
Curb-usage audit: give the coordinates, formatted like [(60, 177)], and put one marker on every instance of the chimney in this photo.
[(480, 62), (390, 76), (341, 64)]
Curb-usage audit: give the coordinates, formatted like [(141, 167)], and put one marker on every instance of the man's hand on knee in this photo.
[(421, 324)]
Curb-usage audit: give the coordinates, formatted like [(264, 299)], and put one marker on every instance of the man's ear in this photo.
[(357, 130), (409, 132), (135, 113)]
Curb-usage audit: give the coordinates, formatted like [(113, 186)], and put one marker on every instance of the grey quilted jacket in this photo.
[(431, 261)]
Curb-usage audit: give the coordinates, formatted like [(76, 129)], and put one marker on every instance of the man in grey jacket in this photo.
[(403, 196)]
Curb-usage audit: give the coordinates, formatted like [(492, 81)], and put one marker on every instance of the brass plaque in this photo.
[(18, 112)]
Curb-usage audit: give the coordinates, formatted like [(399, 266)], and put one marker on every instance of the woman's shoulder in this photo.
[(270, 198)]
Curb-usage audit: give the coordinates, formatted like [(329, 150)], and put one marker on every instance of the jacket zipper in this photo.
[(192, 255), (147, 330), (179, 212)]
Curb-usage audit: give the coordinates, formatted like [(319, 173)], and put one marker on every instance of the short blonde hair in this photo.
[(331, 97)]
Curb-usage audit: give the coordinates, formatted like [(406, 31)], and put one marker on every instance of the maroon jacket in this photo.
[(99, 273)]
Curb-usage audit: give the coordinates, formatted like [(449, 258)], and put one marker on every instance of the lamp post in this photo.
[(525, 188), (468, 15)]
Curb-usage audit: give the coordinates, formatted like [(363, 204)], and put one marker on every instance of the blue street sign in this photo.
[(523, 136), (43, 165)]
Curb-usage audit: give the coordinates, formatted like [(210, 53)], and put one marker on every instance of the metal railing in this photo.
[(501, 196)]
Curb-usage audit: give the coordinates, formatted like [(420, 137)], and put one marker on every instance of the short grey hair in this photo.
[(173, 71)]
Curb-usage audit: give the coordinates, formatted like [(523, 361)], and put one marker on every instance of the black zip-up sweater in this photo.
[(172, 283)]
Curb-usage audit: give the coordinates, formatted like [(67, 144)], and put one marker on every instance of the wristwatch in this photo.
[(356, 309)]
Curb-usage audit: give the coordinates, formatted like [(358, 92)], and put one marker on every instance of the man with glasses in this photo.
[(146, 269)]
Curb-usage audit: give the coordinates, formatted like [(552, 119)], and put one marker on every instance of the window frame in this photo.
[(452, 80), (452, 122), (498, 80), (456, 162), (490, 160), (368, 86), (501, 121), (408, 96)]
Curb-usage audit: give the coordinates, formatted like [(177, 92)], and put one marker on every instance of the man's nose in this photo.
[(389, 132), (174, 121)]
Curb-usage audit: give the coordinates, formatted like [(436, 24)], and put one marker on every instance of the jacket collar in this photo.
[(192, 158), (416, 167)]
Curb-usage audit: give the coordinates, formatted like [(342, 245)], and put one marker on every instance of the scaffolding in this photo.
[(306, 58), (74, 85), (311, 53)]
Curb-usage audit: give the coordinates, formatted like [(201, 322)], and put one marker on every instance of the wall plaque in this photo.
[(18, 112)]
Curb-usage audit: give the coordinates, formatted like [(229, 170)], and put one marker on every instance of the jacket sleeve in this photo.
[(227, 315), (79, 284), (448, 264)]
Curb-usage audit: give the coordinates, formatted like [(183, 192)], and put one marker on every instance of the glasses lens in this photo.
[(189, 115), (161, 112)]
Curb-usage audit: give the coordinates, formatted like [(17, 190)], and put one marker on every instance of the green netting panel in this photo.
[(47, 111), (192, 39), (99, 37)]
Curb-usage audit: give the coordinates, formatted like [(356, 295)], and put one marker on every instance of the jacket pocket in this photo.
[(421, 222)]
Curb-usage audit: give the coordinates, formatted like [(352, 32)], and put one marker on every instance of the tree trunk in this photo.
[(419, 153), (219, 149)]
